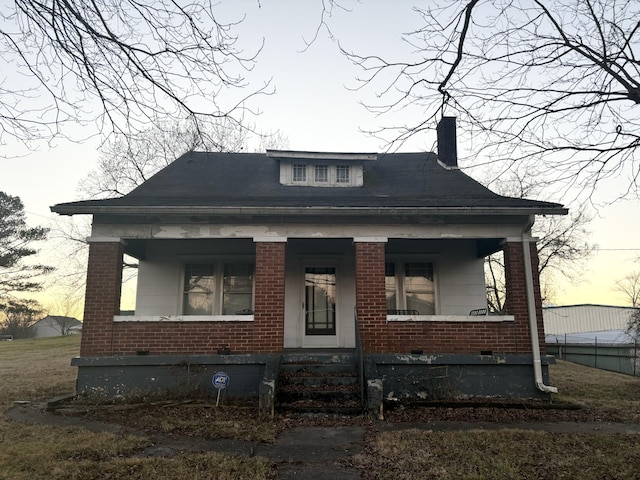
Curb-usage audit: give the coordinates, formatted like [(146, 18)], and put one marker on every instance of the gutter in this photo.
[(533, 321)]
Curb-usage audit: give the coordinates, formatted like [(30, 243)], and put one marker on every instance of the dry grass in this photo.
[(614, 396), (197, 419), (499, 455), (516, 454), (39, 369)]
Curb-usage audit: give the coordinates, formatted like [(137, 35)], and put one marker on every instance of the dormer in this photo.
[(321, 169)]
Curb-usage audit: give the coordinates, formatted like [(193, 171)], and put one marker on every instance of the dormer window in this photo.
[(321, 169), (299, 172), (342, 173), (321, 173)]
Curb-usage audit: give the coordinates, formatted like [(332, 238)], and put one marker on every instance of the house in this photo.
[(246, 257), (55, 326)]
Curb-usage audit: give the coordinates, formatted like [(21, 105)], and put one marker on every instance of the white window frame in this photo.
[(322, 169), (353, 177), (300, 168), (184, 291), (340, 179), (218, 273), (401, 295)]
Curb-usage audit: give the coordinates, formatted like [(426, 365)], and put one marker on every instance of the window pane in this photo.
[(390, 285), (237, 288), (422, 302), (342, 173), (299, 172), (199, 289), (321, 173), (320, 295), (419, 289)]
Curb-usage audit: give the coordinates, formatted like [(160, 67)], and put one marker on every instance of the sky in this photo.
[(316, 107)]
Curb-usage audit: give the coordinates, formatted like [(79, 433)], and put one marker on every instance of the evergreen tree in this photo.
[(16, 245)]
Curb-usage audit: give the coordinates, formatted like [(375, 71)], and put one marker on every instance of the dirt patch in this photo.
[(203, 421)]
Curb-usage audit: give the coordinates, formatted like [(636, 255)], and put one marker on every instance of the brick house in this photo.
[(246, 257)]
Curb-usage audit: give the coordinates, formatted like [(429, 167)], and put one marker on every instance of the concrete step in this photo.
[(322, 393), (317, 369), (309, 406), (319, 383), (313, 378)]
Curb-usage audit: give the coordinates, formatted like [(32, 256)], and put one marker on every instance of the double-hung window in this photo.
[(342, 173), (237, 290), (218, 288), (321, 173), (299, 172), (410, 286), (199, 289)]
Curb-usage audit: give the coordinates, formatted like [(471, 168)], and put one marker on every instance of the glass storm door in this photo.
[(320, 300)]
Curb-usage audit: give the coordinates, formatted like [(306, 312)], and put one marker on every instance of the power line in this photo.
[(617, 249)]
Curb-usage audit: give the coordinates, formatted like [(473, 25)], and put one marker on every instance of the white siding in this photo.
[(297, 258), (459, 276), (160, 274), (158, 288), (461, 286)]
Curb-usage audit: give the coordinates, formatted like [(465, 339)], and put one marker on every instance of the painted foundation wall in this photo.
[(404, 378), (165, 376), (446, 377)]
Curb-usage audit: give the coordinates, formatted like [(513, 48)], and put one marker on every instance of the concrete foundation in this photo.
[(387, 377), (444, 377), (168, 376)]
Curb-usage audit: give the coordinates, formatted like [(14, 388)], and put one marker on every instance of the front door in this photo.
[(319, 313)]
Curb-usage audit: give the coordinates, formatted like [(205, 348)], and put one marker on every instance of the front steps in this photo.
[(319, 382)]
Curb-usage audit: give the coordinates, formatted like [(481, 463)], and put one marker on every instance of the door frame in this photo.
[(319, 341)]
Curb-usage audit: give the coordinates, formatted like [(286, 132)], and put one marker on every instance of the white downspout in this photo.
[(533, 321)]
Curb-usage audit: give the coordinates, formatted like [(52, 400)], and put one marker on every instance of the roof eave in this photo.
[(311, 210)]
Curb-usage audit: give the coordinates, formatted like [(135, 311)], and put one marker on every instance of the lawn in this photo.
[(512, 453), (38, 369)]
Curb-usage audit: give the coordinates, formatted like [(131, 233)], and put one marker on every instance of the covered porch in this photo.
[(408, 295)]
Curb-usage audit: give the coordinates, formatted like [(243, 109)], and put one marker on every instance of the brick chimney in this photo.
[(447, 149)]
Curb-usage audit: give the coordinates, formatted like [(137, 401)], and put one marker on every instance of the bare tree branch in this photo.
[(555, 85), (120, 65), (629, 286), (562, 244)]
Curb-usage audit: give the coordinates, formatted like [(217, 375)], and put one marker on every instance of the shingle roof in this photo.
[(398, 180)]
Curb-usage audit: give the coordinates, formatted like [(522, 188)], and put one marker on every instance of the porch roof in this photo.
[(249, 183)]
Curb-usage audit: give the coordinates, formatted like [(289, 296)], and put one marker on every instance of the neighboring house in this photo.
[(587, 324), (55, 326), (246, 257)]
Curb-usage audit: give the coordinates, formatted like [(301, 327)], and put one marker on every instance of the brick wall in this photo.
[(101, 336), (370, 297), (266, 333), (102, 297), (516, 301), (269, 297), (446, 337), (182, 337), (454, 337)]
